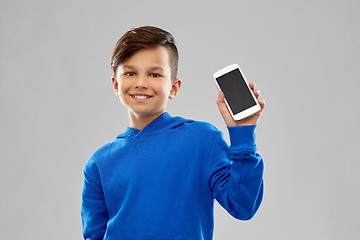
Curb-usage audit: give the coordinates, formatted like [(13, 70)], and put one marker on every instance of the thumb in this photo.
[(221, 103), (221, 99)]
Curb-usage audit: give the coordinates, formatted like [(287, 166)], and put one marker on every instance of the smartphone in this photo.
[(239, 98)]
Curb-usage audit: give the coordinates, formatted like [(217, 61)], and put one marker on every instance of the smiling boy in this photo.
[(143, 84), (159, 178)]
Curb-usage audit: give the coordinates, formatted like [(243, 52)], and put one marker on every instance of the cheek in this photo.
[(124, 86), (162, 89), (123, 90)]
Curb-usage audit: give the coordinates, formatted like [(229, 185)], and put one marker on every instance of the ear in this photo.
[(115, 85), (175, 88)]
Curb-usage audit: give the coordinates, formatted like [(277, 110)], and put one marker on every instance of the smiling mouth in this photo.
[(140, 96)]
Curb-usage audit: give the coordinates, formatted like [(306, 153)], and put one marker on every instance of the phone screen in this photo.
[(236, 92)]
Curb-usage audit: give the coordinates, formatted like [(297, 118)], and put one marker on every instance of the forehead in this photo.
[(149, 58)]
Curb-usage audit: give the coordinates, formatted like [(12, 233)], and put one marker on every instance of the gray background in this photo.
[(57, 105)]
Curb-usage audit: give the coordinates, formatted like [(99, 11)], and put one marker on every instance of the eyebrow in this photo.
[(155, 68), (128, 66)]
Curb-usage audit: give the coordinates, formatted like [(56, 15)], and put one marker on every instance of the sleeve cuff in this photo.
[(242, 136)]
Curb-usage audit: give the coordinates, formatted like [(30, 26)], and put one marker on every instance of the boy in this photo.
[(158, 179)]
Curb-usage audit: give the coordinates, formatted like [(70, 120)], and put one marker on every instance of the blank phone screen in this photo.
[(236, 92)]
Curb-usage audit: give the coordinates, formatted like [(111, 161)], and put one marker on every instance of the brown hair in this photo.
[(143, 38)]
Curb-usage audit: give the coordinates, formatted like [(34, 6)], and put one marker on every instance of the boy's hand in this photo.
[(251, 120)]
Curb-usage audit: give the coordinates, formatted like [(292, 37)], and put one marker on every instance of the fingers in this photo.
[(252, 86), (256, 92), (262, 104)]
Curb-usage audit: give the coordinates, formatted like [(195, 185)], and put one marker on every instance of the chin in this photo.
[(145, 113)]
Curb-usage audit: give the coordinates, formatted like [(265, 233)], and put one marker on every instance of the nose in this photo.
[(141, 82)]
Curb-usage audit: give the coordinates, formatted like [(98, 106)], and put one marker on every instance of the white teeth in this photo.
[(140, 96)]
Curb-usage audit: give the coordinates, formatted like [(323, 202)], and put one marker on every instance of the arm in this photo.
[(236, 173), (238, 185), (94, 213)]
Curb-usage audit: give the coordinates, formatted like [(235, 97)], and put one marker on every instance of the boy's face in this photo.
[(143, 83)]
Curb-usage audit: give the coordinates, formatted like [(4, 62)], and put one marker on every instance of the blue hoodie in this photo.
[(160, 183)]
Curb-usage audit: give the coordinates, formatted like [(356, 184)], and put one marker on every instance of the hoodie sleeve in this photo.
[(236, 172), (94, 213)]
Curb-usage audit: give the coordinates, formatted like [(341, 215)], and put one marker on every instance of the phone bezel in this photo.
[(247, 112)]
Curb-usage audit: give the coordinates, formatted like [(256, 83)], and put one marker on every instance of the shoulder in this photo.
[(205, 126), (99, 155), (201, 128), (200, 125)]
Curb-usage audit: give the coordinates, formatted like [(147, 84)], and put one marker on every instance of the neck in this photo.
[(140, 122)]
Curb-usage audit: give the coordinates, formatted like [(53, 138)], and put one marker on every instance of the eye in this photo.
[(155, 75), (130, 74)]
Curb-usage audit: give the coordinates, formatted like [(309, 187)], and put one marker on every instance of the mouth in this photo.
[(140, 97)]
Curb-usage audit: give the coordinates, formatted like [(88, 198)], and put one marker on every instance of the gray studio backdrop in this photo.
[(57, 105)]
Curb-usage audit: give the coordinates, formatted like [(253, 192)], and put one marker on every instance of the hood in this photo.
[(162, 123)]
